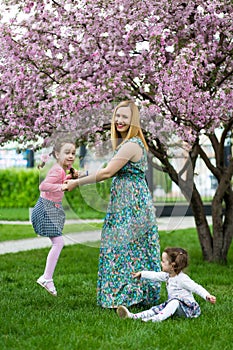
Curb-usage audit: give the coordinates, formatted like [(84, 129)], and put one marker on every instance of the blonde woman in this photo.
[(129, 240)]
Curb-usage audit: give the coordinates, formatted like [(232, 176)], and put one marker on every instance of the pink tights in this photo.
[(53, 256)]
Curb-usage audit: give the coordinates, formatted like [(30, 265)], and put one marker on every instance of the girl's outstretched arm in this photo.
[(136, 274)]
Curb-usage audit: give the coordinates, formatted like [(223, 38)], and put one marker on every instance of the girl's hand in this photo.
[(76, 174), (211, 299), (73, 174), (136, 275)]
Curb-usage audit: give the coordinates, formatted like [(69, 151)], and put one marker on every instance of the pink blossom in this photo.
[(54, 73), (44, 158)]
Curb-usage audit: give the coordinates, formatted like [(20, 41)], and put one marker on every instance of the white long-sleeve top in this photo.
[(180, 286)]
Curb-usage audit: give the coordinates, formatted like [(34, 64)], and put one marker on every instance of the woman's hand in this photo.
[(64, 187), (69, 185)]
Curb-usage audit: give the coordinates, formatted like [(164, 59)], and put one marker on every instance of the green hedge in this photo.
[(19, 189)]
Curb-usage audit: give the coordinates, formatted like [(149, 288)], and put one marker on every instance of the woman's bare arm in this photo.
[(127, 152)]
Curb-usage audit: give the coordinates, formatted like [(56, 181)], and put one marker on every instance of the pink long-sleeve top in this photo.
[(51, 187)]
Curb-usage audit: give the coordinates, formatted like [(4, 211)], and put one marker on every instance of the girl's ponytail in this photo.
[(178, 257)]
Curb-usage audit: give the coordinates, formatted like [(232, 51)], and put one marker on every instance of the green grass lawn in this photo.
[(30, 318), (22, 214), (14, 231)]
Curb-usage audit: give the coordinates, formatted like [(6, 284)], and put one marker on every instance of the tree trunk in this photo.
[(202, 225), (222, 225), (227, 232), (214, 245)]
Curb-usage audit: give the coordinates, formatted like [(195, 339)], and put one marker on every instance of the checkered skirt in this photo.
[(48, 218)]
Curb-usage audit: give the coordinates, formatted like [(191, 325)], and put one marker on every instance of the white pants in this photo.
[(154, 316)]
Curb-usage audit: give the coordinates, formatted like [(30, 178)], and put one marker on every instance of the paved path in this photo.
[(164, 224)]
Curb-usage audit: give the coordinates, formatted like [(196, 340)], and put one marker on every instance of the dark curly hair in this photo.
[(178, 257)]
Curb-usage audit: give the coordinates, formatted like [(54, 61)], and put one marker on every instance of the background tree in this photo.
[(64, 63)]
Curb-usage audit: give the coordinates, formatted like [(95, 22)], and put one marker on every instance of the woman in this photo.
[(129, 240)]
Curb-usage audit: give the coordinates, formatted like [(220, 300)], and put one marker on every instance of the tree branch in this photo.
[(210, 166)]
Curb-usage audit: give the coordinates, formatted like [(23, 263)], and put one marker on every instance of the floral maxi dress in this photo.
[(129, 240)]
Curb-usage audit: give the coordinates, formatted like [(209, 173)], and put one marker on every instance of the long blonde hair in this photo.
[(134, 129)]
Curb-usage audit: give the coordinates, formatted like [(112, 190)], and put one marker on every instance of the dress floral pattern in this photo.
[(129, 240)]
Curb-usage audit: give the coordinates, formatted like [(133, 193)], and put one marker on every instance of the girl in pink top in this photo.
[(48, 216)]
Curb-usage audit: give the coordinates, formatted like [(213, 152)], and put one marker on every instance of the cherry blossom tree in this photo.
[(65, 64)]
